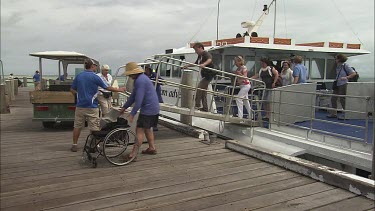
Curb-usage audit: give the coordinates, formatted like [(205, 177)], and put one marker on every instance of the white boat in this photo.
[(297, 126)]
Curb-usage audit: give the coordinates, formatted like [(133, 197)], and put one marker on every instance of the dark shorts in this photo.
[(147, 121)]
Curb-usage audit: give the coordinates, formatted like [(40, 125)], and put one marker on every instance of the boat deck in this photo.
[(39, 172)]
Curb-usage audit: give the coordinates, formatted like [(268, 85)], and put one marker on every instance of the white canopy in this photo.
[(62, 55)]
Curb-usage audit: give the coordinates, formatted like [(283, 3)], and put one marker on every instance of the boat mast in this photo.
[(274, 22), (217, 20)]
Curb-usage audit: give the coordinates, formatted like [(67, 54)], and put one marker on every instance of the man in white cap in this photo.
[(105, 96), (146, 100), (85, 87)]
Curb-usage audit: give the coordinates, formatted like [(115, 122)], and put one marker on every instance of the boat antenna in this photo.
[(253, 26), (217, 20)]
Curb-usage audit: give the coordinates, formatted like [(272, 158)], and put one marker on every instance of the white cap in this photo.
[(105, 67)]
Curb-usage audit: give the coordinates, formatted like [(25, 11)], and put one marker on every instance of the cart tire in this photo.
[(48, 124)]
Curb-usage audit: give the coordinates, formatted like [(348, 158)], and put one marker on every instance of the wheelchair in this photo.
[(111, 142)]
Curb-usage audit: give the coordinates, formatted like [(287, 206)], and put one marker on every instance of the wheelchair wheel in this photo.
[(87, 149), (116, 144)]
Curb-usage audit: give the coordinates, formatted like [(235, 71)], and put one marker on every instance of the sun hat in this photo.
[(105, 67), (132, 68)]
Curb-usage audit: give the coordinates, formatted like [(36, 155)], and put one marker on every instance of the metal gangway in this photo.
[(187, 89)]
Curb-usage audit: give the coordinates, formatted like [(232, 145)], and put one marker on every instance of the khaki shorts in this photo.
[(105, 104), (92, 116)]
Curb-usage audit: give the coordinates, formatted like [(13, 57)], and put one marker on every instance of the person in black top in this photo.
[(204, 60)]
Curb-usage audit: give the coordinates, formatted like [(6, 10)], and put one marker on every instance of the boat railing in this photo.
[(279, 113)]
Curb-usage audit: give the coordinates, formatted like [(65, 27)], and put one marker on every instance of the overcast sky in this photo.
[(118, 31)]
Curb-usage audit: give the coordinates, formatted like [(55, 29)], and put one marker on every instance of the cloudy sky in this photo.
[(118, 31)]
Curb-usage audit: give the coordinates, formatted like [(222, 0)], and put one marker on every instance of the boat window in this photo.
[(229, 65), (250, 65), (176, 70), (317, 68), (331, 69), (165, 70), (216, 58)]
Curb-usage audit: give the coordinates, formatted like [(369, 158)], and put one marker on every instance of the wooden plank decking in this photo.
[(39, 172)]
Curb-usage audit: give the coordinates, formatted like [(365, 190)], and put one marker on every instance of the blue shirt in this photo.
[(61, 78), (343, 72), (158, 88), (36, 77), (301, 72), (144, 97), (86, 84)]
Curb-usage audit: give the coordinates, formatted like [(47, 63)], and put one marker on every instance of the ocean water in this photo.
[(120, 79)]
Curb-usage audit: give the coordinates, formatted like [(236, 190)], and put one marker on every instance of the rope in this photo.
[(255, 4), (203, 23), (347, 22)]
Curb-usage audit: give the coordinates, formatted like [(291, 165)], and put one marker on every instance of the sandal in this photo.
[(127, 157), (149, 151)]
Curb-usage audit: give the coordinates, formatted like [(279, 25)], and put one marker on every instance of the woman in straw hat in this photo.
[(146, 100)]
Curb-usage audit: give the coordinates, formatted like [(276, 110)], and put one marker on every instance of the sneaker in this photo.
[(204, 109), (341, 117), (331, 116), (74, 148)]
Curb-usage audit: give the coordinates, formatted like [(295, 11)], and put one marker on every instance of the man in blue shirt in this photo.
[(146, 100), (299, 71), (85, 87), (62, 77), (343, 73), (36, 79)]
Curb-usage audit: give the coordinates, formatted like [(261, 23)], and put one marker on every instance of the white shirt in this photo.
[(107, 82)]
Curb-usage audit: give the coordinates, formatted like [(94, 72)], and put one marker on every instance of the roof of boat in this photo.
[(277, 44), (61, 55)]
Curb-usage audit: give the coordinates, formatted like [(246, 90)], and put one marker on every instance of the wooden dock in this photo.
[(38, 172)]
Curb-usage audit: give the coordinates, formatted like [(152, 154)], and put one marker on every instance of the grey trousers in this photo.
[(341, 90), (202, 95)]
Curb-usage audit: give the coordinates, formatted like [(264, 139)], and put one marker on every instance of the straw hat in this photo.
[(132, 68)]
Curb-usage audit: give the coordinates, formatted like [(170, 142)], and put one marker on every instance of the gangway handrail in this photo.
[(195, 88), (263, 85)]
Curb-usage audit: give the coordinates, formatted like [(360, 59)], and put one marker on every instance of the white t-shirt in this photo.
[(107, 82)]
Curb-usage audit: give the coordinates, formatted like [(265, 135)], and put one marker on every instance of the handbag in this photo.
[(106, 94), (334, 85)]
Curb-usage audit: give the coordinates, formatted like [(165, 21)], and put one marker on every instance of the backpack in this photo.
[(279, 81), (355, 78)]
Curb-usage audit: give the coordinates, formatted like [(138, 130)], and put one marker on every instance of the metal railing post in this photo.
[(312, 115), (231, 98), (366, 121), (373, 148)]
